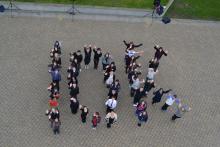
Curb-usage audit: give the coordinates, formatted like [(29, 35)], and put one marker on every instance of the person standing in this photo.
[(72, 72), (111, 105), (159, 52), (74, 90), (142, 106), (56, 126), (112, 93), (78, 56), (56, 77), (106, 60), (53, 103), (87, 58), (53, 87), (169, 102), (57, 59), (74, 105), (138, 95), (54, 114), (57, 45), (110, 79), (131, 45), (158, 95), (154, 63), (111, 118), (151, 73), (115, 86), (181, 109), (97, 55), (148, 85), (95, 120), (136, 83), (142, 117), (84, 113)]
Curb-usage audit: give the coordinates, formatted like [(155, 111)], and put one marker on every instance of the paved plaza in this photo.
[(191, 69)]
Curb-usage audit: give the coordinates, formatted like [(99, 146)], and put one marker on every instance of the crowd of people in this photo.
[(54, 88), (138, 92), (139, 88)]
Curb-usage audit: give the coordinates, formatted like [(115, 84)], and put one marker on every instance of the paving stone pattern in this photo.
[(191, 69)]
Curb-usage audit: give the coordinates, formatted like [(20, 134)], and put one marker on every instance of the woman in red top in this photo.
[(53, 103)]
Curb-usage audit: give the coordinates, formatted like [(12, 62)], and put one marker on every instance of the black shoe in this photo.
[(139, 124)]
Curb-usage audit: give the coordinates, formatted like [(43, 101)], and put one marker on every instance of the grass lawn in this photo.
[(195, 9), (110, 3)]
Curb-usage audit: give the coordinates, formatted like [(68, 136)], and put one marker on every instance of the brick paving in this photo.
[(191, 69)]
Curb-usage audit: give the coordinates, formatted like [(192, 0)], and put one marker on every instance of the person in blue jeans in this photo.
[(142, 117)]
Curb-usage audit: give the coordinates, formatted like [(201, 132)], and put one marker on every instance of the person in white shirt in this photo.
[(111, 118), (170, 100), (111, 104), (151, 73), (135, 85)]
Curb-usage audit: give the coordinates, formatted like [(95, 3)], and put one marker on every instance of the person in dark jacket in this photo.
[(57, 45), (56, 49), (56, 126), (84, 113), (72, 72), (131, 45), (54, 114), (142, 117), (112, 93), (73, 80), (112, 67), (138, 95), (57, 59), (74, 105), (129, 61), (87, 57), (97, 55), (148, 85), (159, 52), (53, 87), (115, 86), (79, 58), (74, 90), (156, 3), (154, 63), (158, 95)]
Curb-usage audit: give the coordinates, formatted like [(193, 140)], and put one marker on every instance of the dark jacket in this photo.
[(142, 117), (158, 54), (96, 55), (78, 57), (132, 45), (148, 86), (87, 57), (74, 91), (74, 106), (153, 65)]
